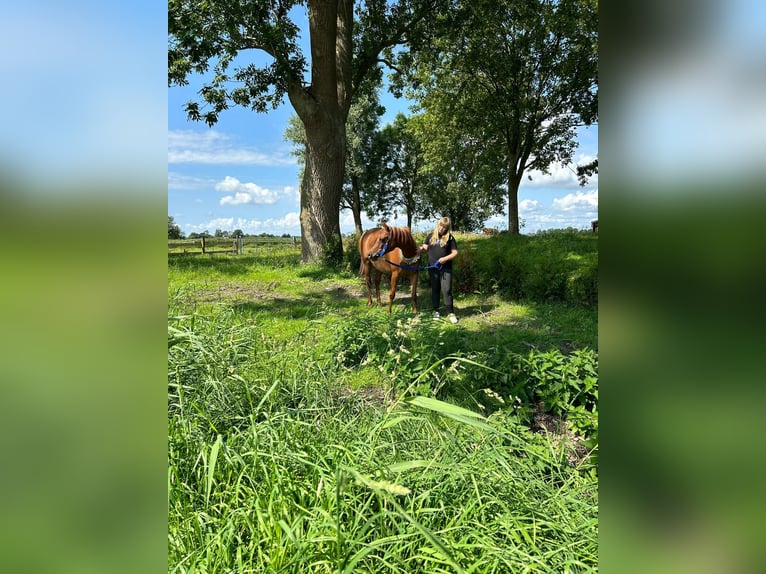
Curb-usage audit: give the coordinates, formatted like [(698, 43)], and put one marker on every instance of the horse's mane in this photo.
[(402, 237)]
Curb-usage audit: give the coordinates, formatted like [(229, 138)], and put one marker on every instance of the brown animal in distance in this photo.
[(379, 248)]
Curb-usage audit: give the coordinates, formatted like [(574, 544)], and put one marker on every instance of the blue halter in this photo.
[(383, 251)]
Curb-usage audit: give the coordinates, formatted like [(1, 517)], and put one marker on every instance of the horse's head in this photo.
[(379, 245)]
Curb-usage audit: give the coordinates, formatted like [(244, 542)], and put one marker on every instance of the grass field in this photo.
[(308, 433)]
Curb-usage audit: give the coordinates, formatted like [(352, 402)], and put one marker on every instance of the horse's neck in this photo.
[(402, 238), (410, 250)]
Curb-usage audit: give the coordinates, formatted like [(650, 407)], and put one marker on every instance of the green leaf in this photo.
[(211, 467), (395, 421), (452, 411), (409, 465), (442, 408)]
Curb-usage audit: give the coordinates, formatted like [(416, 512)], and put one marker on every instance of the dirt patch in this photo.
[(557, 428), (370, 396)]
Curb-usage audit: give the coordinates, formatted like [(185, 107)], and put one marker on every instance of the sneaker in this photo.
[(437, 316), (452, 318)]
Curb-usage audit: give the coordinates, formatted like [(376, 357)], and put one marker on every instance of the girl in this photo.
[(441, 247)]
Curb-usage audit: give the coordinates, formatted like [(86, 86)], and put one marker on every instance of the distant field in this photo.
[(230, 245)]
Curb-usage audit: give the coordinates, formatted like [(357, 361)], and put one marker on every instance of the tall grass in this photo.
[(308, 433), (277, 463)]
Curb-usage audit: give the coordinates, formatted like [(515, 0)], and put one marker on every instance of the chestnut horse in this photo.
[(379, 248)]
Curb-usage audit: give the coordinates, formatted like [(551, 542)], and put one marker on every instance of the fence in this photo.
[(230, 246)]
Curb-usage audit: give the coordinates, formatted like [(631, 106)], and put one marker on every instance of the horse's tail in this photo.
[(361, 252)]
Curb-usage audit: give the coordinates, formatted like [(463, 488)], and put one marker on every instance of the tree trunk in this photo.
[(356, 209), (321, 190), (409, 201), (513, 209), (514, 180), (322, 107)]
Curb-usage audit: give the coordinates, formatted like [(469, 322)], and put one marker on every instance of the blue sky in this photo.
[(240, 174)]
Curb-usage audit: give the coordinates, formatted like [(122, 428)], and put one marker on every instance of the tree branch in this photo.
[(389, 64)]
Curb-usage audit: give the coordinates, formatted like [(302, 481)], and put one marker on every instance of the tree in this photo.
[(174, 232), (343, 51), (586, 171), (398, 186), (363, 164), (458, 176), (508, 82), (295, 135), (361, 171)]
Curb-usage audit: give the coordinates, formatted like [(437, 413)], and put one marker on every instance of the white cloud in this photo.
[(290, 223), (560, 176), (527, 205), (580, 201), (244, 193), (221, 223), (294, 194), (187, 182), (290, 220), (213, 147)]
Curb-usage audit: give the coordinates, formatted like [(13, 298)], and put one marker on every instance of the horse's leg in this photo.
[(368, 283), (394, 277), (414, 291), (378, 275)]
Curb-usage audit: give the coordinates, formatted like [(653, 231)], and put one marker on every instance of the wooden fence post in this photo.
[(203, 244)]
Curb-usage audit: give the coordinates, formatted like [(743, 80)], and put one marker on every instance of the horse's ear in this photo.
[(384, 225)]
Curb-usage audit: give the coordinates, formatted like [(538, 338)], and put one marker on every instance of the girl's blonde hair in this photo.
[(435, 233)]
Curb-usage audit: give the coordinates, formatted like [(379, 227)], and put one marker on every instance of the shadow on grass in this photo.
[(306, 306), (318, 273), (482, 326), (280, 308)]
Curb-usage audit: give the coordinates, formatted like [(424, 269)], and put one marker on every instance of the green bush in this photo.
[(556, 265), (351, 257), (566, 385), (559, 265), (582, 282), (402, 350)]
